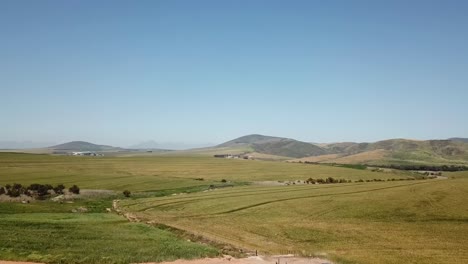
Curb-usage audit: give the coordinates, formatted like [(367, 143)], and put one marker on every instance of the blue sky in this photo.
[(197, 72)]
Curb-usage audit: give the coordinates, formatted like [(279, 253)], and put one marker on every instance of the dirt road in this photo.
[(251, 260)]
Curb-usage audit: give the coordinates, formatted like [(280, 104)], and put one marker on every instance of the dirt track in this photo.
[(17, 262), (250, 260), (228, 260)]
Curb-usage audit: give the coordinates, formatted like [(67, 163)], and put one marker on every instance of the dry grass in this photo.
[(391, 222), (321, 158), (363, 158)]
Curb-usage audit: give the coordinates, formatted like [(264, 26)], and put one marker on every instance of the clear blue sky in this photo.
[(121, 72)]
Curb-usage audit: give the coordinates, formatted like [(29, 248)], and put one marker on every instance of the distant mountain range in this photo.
[(392, 151), (152, 145), (451, 151)]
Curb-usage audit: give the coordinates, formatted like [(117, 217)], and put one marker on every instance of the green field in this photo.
[(423, 221), (49, 232)]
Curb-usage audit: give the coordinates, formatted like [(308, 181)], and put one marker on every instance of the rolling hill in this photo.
[(391, 151), (399, 151), (453, 151), (82, 146), (277, 146)]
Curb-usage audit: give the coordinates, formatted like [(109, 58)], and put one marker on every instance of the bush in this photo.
[(126, 193), (13, 192), (59, 189), (223, 180), (74, 189), (40, 190), (331, 180), (2, 190)]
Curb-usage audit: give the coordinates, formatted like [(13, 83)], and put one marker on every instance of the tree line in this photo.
[(410, 167), (331, 180), (36, 190)]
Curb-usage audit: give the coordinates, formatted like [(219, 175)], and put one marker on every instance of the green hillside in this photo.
[(401, 151), (392, 151), (276, 146)]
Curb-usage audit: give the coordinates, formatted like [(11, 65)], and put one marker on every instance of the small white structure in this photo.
[(85, 153)]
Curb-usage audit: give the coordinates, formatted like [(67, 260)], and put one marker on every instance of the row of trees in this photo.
[(397, 166), (36, 190), (426, 167), (333, 180), (326, 181)]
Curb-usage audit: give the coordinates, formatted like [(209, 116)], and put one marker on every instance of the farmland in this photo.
[(413, 222), (49, 232), (421, 221), (160, 172)]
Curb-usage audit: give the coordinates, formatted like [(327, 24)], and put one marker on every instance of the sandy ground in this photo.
[(251, 260)]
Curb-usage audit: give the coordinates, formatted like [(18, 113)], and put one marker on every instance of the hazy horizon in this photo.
[(148, 144), (204, 72)]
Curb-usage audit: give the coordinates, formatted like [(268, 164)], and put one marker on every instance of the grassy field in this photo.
[(49, 232), (160, 172), (422, 221), (391, 222)]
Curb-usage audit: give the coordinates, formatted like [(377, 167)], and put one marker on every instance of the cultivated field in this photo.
[(419, 221), (159, 173), (391, 222)]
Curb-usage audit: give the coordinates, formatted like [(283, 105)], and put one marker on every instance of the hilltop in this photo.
[(277, 146), (82, 146)]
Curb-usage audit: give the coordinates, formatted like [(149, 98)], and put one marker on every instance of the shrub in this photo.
[(13, 192), (2, 190), (74, 189), (223, 180), (42, 190), (331, 180), (59, 189), (126, 193)]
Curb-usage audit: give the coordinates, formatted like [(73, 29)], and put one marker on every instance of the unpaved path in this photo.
[(228, 260), (17, 262), (250, 260)]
